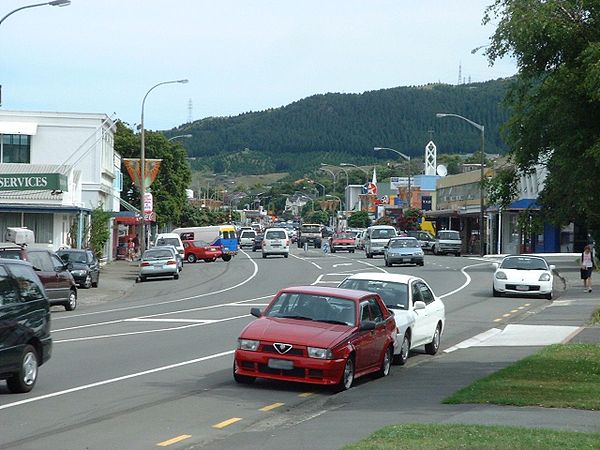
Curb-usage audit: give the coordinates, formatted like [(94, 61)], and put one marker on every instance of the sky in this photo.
[(103, 56)]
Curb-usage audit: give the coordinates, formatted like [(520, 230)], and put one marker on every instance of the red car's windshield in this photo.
[(313, 307)]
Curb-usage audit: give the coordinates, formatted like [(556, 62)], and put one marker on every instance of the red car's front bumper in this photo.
[(303, 369)]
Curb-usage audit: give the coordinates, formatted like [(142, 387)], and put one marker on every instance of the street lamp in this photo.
[(330, 171), (482, 129), (312, 202), (334, 219), (52, 3), (359, 168), (406, 157), (183, 136), (315, 182), (143, 163)]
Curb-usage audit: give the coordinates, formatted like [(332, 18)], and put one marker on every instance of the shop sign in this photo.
[(33, 182)]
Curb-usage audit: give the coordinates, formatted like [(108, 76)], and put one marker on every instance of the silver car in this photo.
[(158, 262), (403, 250), (176, 253)]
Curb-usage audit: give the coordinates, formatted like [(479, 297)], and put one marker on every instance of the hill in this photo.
[(336, 128)]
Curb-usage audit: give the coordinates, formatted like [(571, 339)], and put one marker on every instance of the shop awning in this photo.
[(524, 203), (18, 128)]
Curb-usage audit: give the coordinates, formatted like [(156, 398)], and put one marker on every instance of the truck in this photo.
[(447, 241), (310, 233)]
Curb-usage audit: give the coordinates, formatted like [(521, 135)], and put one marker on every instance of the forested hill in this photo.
[(335, 128)]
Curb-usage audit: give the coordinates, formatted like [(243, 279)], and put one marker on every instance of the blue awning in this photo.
[(524, 203)]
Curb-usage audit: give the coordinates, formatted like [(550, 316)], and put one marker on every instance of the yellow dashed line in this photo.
[(521, 307), (305, 394), (527, 304), (227, 422), (514, 311), (497, 320), (505, 315), (175, 440), (271, 407)]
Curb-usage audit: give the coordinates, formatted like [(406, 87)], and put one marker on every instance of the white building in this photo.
[(55, 168)]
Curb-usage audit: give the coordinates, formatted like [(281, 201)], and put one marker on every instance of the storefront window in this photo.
[(42, 226)]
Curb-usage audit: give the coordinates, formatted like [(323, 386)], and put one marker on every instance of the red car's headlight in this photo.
[(248, 344), (319, 353)]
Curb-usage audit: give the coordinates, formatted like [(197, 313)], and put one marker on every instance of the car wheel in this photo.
[(347, 376), (142, 279), (434, 250), (226, 258), (369, 255), (24, 380), (285, 255), (421, 263), (384, 370), (495, 293), (332, 249), (457, 254), (351, 251), (434, 345), (387, 263), (191, 258), (548, 296), (242, 379), (72, 302), (264, 255), (176, 276), (404, 349), (95, 284), (88, 282)]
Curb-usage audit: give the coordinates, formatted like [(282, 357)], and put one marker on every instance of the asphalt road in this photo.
[(153, 366)]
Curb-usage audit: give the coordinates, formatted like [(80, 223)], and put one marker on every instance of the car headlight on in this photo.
[(500, 275), (248, 344), (319, 353), (544, 277)]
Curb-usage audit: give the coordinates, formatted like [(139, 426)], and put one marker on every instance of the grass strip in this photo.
[(481, 437), (595, 320), (559, 376)]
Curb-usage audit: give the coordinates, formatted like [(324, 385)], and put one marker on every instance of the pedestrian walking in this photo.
[(587, 267), (130, 250)]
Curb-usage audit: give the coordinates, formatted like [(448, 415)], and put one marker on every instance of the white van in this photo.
[(170, 239), (276, 242), (376, 238)]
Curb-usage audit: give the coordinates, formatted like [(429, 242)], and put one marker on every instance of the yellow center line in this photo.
[(521, 307), (527, 304), (271, 407), (175, 440), (305, 394), (227, 422), (514, 311), (497, 320), (505, 315)]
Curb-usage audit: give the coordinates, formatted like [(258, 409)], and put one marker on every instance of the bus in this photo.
[(220, 235)]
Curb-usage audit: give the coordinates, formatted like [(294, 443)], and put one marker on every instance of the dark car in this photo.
[(25, 342), (257, 244), (58, 282), (83, 265)]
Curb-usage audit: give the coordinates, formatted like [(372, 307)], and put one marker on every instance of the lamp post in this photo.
[(406, 157), (143, 164), (312, 202), (482, 164), (52, 3), (316, 182), (330, 171), (182, 136), (356, 167), (334, 220)]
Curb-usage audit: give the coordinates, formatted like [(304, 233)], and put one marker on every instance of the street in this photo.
[(155, 366)]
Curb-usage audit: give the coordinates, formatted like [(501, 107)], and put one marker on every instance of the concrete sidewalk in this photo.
[(117, 278)]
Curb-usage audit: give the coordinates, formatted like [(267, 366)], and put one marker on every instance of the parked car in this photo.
[(403, 250), (247, 238), (376, 238), (342, 241), (195, 250), (447, 241), (176, 254), (360, 240), (425, 238), (317, 335), (54, 273), (170, 239), (257, 245), (523, 275), (419, 314), (158, 262), (83, 265), (275, 242), (25, 341)]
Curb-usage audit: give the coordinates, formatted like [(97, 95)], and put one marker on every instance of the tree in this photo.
[(555, 99), (359, 219), (99, 231), (174, 176)]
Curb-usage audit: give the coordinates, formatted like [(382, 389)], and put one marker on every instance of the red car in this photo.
[(195, 250), (317, 335), (342, 241)]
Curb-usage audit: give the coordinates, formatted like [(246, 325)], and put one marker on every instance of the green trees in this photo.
[(555, 99), (174, 176), (359, 219)]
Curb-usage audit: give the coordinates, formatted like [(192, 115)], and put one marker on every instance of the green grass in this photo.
[(595, 320), (559, 376), (434, 436)]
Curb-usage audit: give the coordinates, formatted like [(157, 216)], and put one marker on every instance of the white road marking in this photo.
[(306, 260), (342, 264), (518, 336), (139, 319), (115, 380), (167, 302), (467, 281)]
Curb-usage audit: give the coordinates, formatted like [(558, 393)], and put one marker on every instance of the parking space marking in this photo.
[(175, 440), (227, 422), (271, 407)]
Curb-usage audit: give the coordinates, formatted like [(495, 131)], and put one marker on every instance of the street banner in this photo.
[(151, 169)]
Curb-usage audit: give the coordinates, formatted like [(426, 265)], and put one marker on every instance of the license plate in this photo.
[(158, 266), (282, 364), (522, 287), (405, 259)]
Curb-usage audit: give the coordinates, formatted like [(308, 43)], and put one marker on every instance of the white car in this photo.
[(419, 314), (275, 242), (523, 275), (247, 238)]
